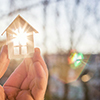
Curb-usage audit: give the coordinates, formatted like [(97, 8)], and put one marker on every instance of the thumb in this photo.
[(4, 61)]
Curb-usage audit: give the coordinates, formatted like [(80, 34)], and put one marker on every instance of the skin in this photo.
[(28, 81)]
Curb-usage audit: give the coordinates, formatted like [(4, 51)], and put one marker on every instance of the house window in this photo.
[(16, 50), (20, 50), (24, 50)]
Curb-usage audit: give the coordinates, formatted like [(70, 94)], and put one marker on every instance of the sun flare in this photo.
[(20, 37)]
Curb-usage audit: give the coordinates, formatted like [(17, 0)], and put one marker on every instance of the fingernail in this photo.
[(37, 50)]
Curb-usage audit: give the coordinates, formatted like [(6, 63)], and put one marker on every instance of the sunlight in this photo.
[(20, 38)]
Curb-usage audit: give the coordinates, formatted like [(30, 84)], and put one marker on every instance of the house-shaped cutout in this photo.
[(20, 38)]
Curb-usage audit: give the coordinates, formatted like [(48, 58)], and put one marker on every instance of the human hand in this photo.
[(4, 62), (28, 81)]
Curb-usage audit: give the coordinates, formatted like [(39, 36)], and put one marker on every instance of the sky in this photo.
[(61, 17)]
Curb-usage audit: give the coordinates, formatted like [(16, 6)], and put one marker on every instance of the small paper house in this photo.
[(20, 38)]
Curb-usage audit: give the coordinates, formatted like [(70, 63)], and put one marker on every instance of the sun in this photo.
[(20, 37)]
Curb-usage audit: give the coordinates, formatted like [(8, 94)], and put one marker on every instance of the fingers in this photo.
[(38, 89), (40, 76), (25, 69), (24, 95), (10, 92), (30, 76), (37, 58), (34, 72), (17, 77), (2, 94), (4, 61)]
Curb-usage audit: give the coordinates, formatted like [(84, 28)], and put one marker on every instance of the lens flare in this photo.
[(76, 59), (68, 67)]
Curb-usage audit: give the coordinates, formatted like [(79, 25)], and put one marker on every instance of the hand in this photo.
[(4, 62), (29, 80)]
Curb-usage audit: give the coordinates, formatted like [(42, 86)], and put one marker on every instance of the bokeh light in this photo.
[(86, 78)]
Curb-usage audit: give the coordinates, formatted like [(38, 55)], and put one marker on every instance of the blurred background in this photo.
[(65, 27)]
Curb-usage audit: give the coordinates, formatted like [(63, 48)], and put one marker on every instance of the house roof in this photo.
[(19, 21)]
